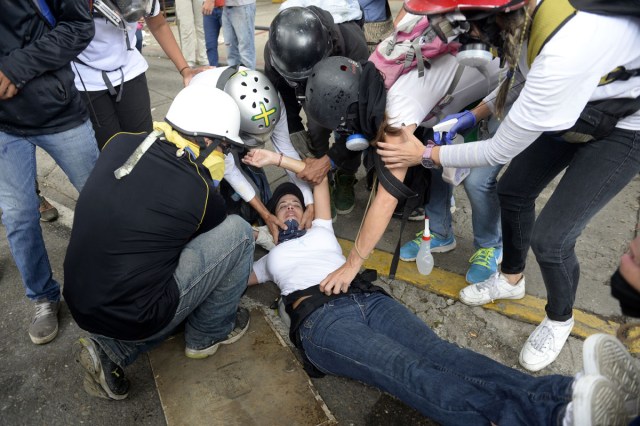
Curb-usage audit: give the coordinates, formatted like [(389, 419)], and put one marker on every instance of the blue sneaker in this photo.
[(409, 251), (484, 263), (442, 245)]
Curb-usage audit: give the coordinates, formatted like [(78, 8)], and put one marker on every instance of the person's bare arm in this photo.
[(409, 153), (375, 223), (316, 169), (401, 14), (253, 279), (160, 29), (264, 157), (630, 264), (401, 155)]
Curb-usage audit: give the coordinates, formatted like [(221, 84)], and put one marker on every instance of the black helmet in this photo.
[(332, 88), (297, 40)]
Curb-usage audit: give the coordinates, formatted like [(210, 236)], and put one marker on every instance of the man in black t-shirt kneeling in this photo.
[(152, 247)]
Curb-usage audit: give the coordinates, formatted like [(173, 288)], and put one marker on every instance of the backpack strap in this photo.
[(398, 190), (436, 111), (620, 73), (225, 76), (551, 15), (420, 59), (548, 18)]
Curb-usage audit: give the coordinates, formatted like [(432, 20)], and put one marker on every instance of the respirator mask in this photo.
[(118, 12), (476, 46), (355, 140)]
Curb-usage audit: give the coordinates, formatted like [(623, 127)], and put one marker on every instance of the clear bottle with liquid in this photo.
[(424, 259)]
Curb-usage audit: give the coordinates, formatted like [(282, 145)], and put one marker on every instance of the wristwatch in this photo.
[(427, 161)]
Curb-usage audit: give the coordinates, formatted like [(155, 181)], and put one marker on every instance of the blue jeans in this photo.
[(480, 187), (212, 24), (211, 276), (595, 172), (439, 206), (75, 151), (238, 27), (374, 339)]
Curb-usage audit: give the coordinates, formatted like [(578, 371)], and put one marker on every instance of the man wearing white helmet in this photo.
[(152, 246), (262, 118)]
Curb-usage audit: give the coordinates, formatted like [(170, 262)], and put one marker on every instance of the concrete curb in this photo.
[(530, 309)]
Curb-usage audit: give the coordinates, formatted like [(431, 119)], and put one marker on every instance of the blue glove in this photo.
[(466, 120)]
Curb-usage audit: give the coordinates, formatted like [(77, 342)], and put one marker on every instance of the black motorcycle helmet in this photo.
[(297, 41), (331, 95)]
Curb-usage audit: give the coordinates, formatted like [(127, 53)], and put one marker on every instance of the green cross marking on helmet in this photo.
[(264, 115)]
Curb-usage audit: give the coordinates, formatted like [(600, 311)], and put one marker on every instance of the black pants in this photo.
[(132, 114), (594, 173)]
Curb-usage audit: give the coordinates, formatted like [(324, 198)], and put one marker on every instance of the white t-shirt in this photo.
[(411, 98), (303, 262), (108, 52), (562, 79)]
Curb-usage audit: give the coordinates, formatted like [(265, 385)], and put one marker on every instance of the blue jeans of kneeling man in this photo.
[(374, 339), (211, 276)]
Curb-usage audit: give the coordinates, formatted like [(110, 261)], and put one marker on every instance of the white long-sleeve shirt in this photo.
[(282, 143), (562, 79)]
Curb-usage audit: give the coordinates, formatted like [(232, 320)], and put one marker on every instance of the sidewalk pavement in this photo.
[(42, 385)]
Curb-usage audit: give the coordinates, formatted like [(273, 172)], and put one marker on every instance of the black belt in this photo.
[(315, 299)]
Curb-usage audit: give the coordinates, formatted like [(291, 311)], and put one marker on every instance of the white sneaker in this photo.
[(495, 288), (264, 238), (596, 402), (605, 355), (545, 343)]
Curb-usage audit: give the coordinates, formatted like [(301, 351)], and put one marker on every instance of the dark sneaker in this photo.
[(345, 195), (415, 216), (44, 326), (103, 378), (48, 213), (242, 325)]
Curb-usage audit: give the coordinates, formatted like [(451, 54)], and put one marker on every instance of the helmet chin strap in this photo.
[(205, 150)]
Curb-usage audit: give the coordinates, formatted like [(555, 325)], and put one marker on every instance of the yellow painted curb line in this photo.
[(448, 284)]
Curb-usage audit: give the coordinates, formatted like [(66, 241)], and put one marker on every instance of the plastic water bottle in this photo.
[(424, 259)]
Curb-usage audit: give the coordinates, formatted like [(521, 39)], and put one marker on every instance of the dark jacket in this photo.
[(348, 40), (36, 58), (128, 236)]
